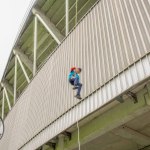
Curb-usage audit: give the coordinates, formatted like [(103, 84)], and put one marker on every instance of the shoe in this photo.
[(78, 97), (75, 87)]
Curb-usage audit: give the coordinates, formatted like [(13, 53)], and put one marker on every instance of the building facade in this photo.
[(110, 41)]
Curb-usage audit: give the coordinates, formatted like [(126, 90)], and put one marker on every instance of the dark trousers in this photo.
[(75, 82)]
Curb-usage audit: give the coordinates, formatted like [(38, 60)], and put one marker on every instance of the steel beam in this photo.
[(67, 17), (8, 87), (133, 96), (15, 81), (7, 98), (35, 46), (133, 135), (24, 58), (3, 105), (51, 28), (23, 69)]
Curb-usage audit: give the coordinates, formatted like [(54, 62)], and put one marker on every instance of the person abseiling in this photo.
[(74, 79)]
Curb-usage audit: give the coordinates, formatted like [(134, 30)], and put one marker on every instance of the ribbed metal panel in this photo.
[(108, 44), (85, 107)]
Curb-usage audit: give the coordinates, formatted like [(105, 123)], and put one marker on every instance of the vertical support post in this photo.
[(67, 17), (7, 98), (15, 81), (23, 69), (61, 141), (3, 104), (35, 45)]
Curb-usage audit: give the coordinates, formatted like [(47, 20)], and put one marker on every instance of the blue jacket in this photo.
[(72, 75)]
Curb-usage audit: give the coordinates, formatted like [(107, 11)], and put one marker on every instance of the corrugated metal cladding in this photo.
[(106, 44)]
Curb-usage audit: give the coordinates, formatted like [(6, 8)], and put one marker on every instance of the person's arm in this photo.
[(78, 77)]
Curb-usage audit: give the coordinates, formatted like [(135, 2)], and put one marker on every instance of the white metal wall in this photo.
[(105, 44)]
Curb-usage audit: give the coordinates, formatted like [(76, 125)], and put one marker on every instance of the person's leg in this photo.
[(79, 88), (71, 81), (78, 85), (76, 82)]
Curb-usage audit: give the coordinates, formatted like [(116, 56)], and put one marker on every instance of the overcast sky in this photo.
[(11, 14)]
